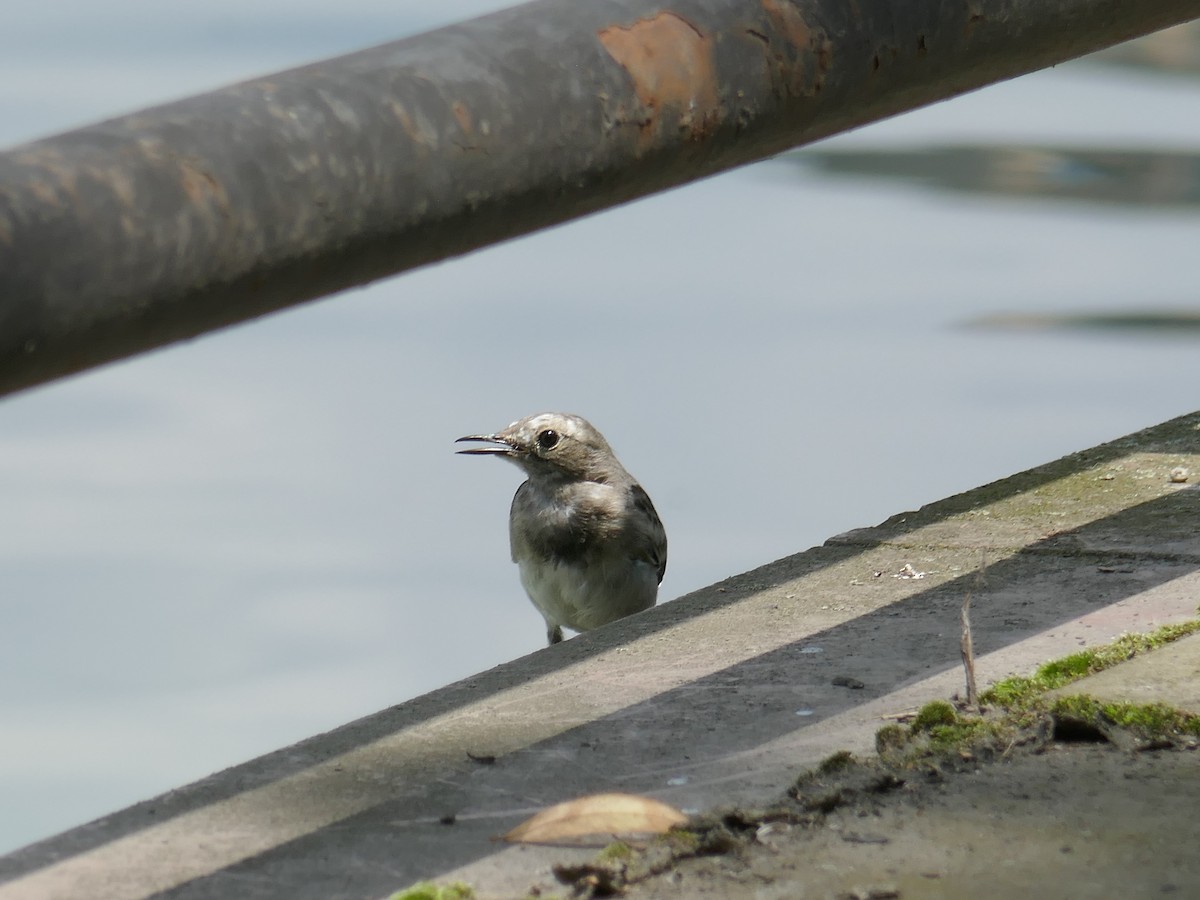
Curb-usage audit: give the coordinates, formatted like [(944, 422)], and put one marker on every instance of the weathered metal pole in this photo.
[(165, 224)]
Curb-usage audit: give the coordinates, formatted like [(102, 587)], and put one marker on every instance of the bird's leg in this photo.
[(554, 634)]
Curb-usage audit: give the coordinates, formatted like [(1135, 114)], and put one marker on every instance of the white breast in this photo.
[(581, 597)]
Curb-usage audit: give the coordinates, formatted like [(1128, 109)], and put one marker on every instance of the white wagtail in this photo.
[(586, 538)]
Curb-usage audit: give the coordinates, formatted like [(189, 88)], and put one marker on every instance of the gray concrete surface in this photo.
[(720, 696)]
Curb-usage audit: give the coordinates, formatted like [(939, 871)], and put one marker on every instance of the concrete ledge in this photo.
[(721, 696)]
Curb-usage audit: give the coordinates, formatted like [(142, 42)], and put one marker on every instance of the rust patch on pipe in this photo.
[(462, 115), (46, 192), (787, 20), (673, 71), (116, 181), (418, 129), (802, 64), (200, 186)]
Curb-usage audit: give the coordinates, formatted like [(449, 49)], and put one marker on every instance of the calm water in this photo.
[(212, 551)]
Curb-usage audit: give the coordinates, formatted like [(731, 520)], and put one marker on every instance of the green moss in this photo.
[(963, 733), (890, 738), (681, 841), (935, 714), (1020, 691), (1012, 693), (1069, 668), (836, 763), (428, 890), (1149, 720), (935, 730), (617, 851)]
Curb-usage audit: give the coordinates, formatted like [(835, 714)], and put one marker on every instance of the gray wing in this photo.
[(650, 541)]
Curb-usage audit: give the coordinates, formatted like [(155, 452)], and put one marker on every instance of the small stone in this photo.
[(859, 837), (1179, 475), (769, 829), (881, 892)]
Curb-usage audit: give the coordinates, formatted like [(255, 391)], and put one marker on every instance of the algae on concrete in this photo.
[(1151, 722), (429, 890), (1020, 690)]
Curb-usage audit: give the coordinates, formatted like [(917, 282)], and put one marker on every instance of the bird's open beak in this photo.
[(500, 447)]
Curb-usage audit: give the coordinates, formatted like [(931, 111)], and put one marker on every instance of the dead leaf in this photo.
[(605, 816)]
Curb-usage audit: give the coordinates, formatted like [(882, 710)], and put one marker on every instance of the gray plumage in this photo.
[(586, 538)]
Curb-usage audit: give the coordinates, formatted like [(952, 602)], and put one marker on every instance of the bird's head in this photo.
[(550, 444)]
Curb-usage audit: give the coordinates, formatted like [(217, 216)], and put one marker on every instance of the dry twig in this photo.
[(968, 645)]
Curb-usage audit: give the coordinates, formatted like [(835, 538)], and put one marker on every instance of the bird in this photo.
[(587, 541)]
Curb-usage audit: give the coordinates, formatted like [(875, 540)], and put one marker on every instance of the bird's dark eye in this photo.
[(547, 439)]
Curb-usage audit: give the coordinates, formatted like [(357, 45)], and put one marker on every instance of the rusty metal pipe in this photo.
[(168, 223)]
